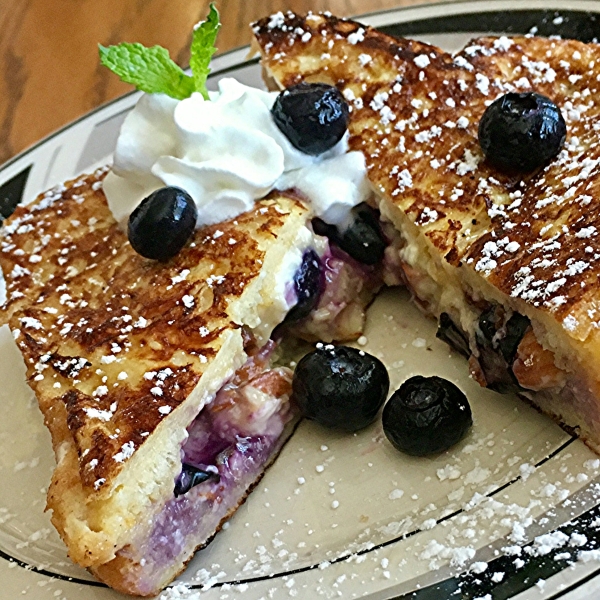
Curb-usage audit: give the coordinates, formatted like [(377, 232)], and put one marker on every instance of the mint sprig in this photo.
[(149, 69), (203, 47), (153, 71)]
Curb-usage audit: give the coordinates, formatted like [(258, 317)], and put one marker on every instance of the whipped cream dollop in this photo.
[(227, 153)]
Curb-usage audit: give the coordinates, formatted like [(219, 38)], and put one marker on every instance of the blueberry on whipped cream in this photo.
[(313, 116)]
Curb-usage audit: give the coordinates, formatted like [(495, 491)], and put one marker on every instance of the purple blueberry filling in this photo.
[(229, 445), (190, 521), (182, 516), (233, 422)]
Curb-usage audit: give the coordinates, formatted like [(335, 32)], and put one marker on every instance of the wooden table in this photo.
[(49, 69)]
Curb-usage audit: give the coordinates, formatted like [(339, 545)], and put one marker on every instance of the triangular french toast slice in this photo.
[(509, 264), (124, 353)]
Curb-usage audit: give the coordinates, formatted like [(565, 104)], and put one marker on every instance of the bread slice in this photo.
[(124, 353), (509, 264)]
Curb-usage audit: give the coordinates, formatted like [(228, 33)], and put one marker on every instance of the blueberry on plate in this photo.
[(426, 415), (308, 285), (340, 387), (363, 239), (162, 223), (521, 132), (313, 116)]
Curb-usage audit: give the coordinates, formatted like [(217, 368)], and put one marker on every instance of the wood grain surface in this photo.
[(49, 69)]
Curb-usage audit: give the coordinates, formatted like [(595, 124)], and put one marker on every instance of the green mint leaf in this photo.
[(149, 69), (203, 47)]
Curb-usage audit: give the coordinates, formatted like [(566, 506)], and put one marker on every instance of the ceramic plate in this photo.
[(510, 512)]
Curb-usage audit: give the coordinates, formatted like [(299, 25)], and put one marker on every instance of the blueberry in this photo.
[(453, 335), (313, 116), (490, 321), (363, 239), (308, 285), (340, 387), (516, 327), (190, 477), (504, 335), (162, 223), (521, 132), (426, 415), (498, 337)]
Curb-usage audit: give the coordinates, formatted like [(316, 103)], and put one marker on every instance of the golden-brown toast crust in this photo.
[(106, 306), (415, 115), (120, 349)]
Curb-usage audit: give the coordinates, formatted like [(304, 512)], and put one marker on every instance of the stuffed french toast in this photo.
[(124, 354), (154, 352), (496, 239)]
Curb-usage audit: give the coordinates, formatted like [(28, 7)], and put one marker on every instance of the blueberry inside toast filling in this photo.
[(347, 288), (507, 357), (249, 410), (199, 513)]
